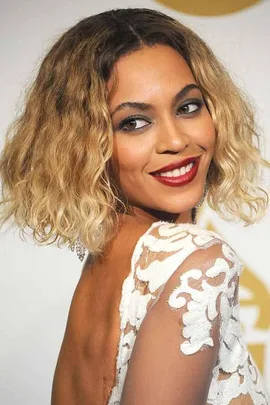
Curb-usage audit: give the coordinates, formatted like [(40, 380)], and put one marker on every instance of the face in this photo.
[(160, 119)]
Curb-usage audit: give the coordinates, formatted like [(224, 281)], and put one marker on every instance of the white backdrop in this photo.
[(37, 283)]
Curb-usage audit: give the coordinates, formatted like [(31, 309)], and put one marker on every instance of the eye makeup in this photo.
[(188, 109), (122, 126), (195, 102)]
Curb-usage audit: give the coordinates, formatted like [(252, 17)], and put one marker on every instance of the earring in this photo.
[(80, 248), (200, 203), (205, 191)]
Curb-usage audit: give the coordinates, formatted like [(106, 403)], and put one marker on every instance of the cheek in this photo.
[(212, 137), (210, 129), (204, 132), (209, 138), (131, 154)]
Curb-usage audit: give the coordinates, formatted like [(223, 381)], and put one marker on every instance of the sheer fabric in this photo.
[(181, 340)]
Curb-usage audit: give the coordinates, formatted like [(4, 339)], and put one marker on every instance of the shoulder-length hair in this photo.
[(57, 176)]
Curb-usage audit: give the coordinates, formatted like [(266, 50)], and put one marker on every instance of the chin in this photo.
[(178, 207)]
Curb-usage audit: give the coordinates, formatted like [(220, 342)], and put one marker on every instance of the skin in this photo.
[(166, 133)]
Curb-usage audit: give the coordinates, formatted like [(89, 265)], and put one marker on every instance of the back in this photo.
[(86, 366)]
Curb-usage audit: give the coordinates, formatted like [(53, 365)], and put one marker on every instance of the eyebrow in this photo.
[(146, 106)]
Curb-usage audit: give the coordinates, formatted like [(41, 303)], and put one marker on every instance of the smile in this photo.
[(177, 172), (178, 177)]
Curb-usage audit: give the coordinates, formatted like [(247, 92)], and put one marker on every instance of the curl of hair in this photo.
[(57, 174)]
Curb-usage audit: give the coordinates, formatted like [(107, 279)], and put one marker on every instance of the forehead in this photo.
[(150, 71)]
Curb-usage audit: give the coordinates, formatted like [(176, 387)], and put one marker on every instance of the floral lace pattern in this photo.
[(157, 255)]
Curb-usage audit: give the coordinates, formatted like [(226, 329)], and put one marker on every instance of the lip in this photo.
[(179, 180), (176, 165)]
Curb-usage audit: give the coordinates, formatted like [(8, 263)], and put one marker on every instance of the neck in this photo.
[(144, 214)]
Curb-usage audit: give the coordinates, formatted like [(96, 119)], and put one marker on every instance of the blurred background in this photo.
[(37, 283)]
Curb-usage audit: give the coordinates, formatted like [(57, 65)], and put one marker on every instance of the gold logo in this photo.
[(210, 7)]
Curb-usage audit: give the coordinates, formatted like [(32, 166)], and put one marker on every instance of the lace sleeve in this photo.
[(178, 342)]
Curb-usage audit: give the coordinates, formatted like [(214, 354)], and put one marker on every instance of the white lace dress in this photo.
[(183, 284)]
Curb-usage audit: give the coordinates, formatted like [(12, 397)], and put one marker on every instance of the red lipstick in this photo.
[(176, 165), (178, 180)]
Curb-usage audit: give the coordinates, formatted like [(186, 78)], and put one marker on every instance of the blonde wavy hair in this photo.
[(56, 168)]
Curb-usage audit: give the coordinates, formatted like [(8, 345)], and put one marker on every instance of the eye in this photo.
[(191, 107), (132, 124)]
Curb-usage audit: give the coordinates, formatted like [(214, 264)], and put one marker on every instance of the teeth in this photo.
[(183, 170), (177, 172)]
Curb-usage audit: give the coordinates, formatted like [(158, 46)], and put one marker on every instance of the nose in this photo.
[(171, 138)]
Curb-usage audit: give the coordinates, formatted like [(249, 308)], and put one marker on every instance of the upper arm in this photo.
[(178, 342)]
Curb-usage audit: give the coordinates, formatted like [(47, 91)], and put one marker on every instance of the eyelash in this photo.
[(198, 102)]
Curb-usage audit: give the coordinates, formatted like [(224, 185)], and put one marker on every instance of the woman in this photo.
[(130, 123)]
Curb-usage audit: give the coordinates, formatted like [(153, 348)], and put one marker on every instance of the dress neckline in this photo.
[(138, 245), (139, 242)]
